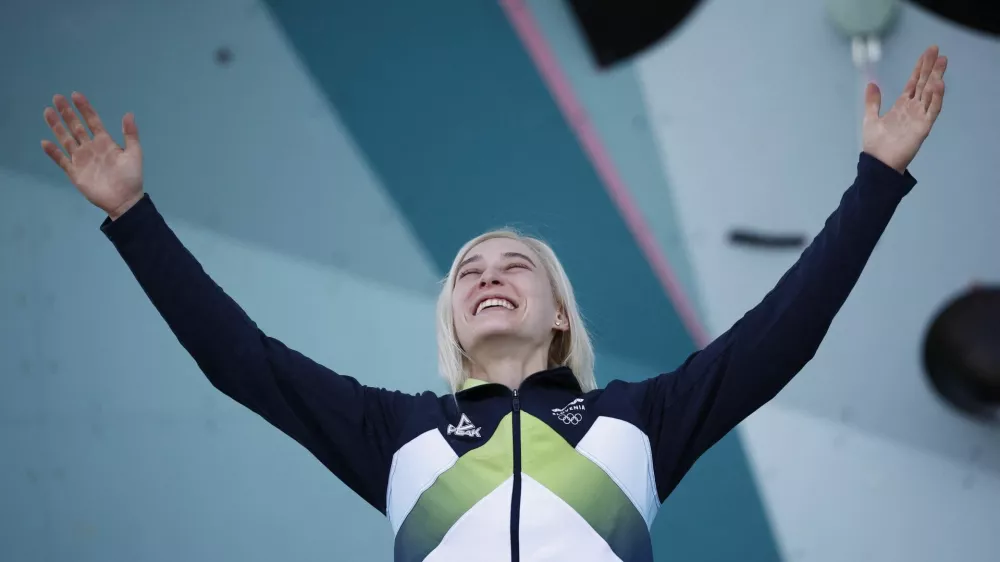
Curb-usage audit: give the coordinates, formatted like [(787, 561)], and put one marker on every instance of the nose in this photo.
[(489, 277)]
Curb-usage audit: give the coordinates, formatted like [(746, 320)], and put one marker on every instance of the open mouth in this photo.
[(494, 302)]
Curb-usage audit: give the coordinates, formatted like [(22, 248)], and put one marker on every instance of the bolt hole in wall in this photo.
[(224, 56)]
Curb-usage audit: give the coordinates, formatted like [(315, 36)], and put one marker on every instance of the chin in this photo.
[(496, 329)]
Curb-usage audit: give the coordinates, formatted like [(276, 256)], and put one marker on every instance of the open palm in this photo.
[(107, 175), (895, 138)]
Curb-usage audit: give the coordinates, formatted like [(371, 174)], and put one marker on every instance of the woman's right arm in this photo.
[(351, 428)]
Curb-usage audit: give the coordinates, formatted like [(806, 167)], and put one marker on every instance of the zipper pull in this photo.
[(517, 402)]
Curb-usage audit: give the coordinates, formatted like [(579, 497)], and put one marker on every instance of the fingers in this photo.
[(73, 122), (873, 101), (927, 62), (937, 100), (936, 88), (89, 115), (73, 133), (940, 67), (58, 156), (937, 73), (131, 133), (67, 141)]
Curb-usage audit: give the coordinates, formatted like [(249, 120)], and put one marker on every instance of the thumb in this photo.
[(873, 101), (131, 132)]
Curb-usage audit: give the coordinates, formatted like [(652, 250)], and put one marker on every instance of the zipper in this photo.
[(515, 500)]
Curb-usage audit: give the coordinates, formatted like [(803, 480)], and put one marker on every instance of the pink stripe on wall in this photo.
[(526, 28)]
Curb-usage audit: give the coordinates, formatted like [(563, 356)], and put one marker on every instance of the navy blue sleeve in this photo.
[(351, 428), (690, 409)]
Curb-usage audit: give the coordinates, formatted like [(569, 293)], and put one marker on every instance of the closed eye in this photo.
[(467, 272), (518, 264)]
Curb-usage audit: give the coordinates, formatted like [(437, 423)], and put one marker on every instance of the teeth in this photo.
[(495, 302)]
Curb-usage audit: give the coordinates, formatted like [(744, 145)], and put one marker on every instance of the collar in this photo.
[(470, 383)]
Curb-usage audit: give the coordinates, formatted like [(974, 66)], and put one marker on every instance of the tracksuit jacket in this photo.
[(543, 472)]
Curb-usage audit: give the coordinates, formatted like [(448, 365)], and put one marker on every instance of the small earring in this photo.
[(558, 322)]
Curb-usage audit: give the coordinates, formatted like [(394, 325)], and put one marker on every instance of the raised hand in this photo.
[(895, 138), (107, 175)]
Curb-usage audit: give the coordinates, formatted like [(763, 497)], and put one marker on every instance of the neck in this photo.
[(508, 365)]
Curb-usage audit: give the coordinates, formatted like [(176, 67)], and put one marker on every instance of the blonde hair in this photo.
[(571, 348)]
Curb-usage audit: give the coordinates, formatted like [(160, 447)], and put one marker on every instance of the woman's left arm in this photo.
[(689, 410)]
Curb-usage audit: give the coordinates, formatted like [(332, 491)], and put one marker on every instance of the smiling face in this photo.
[(502, 292)]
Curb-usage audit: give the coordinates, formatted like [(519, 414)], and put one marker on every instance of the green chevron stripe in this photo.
[(553, 463), (472, 478)]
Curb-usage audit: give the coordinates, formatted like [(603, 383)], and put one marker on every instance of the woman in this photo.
[(573, 472)]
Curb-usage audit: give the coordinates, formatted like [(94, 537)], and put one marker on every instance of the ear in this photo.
[(560, 324)]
